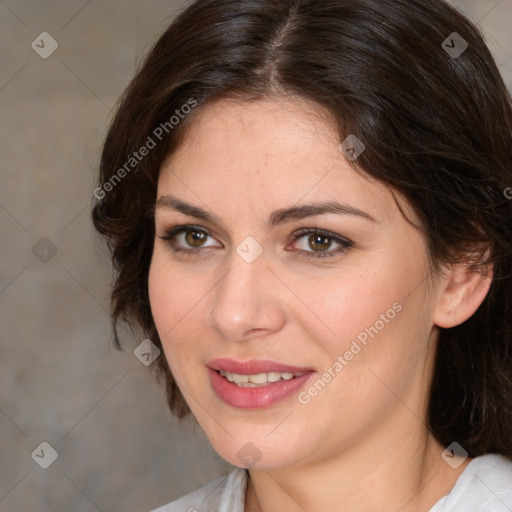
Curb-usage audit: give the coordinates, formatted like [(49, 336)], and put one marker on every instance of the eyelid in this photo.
[(344, 243), (172, 232), (324, 232)]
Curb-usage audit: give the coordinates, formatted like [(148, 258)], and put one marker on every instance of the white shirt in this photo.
[(484, 486)]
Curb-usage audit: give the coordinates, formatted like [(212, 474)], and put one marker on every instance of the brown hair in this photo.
[(437, 125)]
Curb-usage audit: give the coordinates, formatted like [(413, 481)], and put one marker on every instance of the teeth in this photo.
[(273, 376), (259, 379), (239, 378)]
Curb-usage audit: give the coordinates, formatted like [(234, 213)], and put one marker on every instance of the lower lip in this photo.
[(255, 397)]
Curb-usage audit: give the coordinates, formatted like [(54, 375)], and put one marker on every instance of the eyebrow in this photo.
[(277, 217)]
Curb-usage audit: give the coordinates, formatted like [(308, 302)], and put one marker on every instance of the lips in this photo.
[(241, 383)]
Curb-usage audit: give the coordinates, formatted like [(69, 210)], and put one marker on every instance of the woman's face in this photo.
[(350, 309)]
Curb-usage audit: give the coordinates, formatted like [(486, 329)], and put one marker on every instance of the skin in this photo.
[(366, 429)]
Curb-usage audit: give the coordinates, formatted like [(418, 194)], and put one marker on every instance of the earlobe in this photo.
[(461, 293)]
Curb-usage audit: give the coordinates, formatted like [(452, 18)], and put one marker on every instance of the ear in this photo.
[(460, 293)]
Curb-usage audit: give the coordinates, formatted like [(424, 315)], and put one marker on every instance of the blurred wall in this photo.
[(61, 382)]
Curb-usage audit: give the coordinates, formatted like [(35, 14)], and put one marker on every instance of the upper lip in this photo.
[(254, 366)]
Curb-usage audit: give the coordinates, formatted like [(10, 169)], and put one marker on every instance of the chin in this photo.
[(257, 452)]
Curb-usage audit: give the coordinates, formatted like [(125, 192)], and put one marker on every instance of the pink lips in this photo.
[(255, 397)]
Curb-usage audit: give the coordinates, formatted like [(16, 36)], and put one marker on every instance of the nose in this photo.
[(247, 301)]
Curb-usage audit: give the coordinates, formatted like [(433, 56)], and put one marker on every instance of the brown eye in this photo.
[(319, 242), (195, 238), (315, 243), (188, 238)]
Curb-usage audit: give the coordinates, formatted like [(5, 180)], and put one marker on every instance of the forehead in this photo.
[(266, 154)]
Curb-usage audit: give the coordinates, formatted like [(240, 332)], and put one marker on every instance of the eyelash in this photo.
[(170, 235)]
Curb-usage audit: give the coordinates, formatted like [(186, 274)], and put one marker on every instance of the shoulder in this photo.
[(485, 484), (226, 493)]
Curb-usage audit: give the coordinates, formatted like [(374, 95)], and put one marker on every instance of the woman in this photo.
[(306, 203)]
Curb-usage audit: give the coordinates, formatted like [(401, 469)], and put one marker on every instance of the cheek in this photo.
[(371, 318), (161, 298), (171, 294), (169, 298), (351, 303), (178, 305)]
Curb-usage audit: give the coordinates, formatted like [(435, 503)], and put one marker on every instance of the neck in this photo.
[(381, 477)]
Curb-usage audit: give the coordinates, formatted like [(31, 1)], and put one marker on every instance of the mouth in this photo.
[(256, 383)]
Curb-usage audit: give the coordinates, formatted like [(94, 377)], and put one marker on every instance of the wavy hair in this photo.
[(436, 120)]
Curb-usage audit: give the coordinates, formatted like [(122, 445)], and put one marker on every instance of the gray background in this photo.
[(61, 381)]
